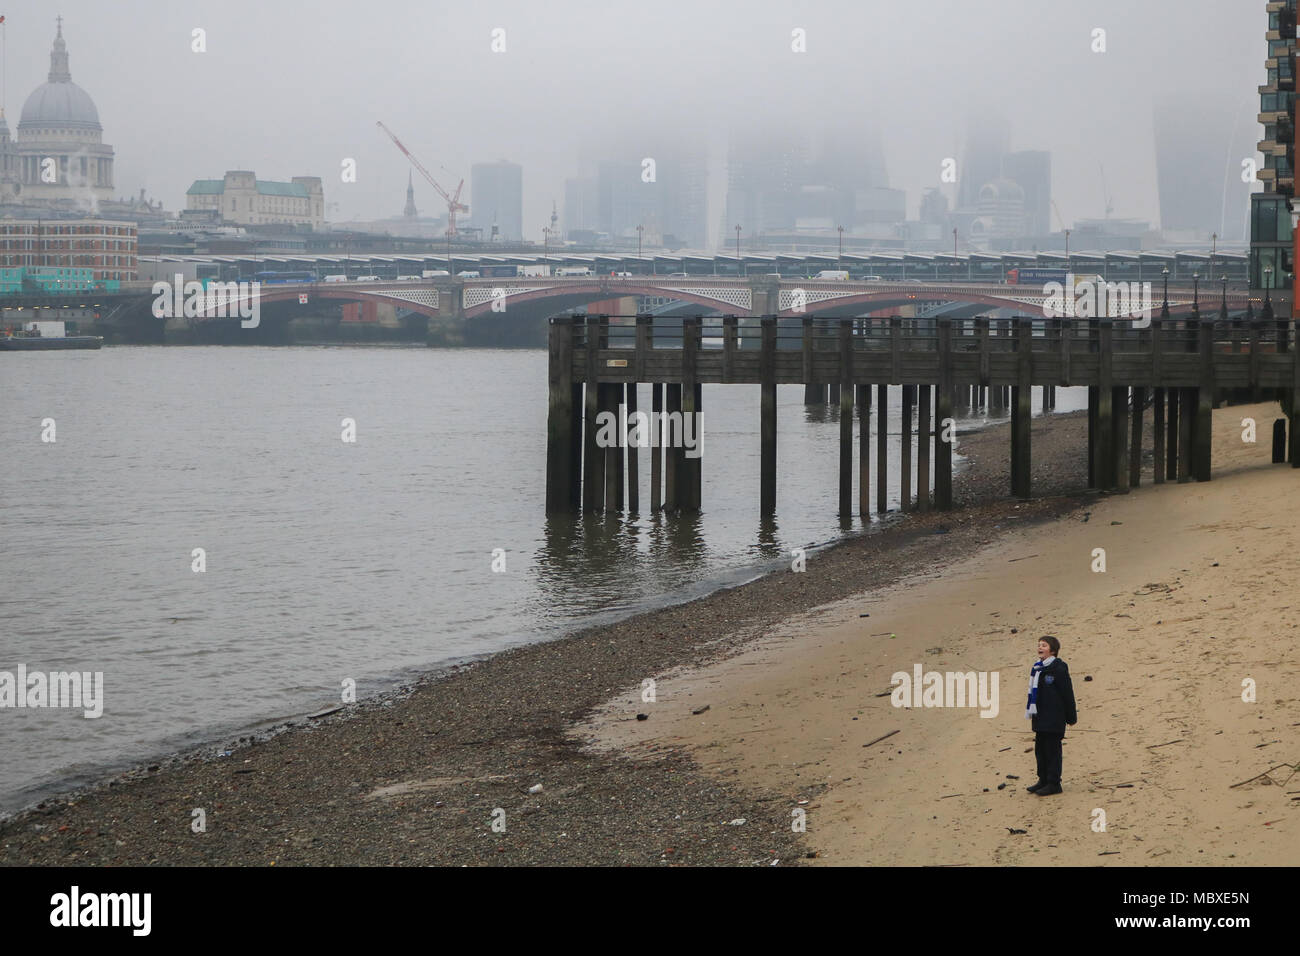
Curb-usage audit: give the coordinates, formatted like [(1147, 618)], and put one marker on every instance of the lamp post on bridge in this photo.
[(639, 231), (1164, 309), (1067, 249), (1214, 246), (737, 250), (839, 259)]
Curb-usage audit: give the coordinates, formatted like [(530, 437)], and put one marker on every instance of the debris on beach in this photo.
[(535, 788), (700, 710)]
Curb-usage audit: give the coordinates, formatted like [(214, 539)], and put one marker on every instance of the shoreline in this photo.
[(205, 745), (247, 774)]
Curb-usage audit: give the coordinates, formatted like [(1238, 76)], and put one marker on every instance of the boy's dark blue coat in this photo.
[(1055, 699)]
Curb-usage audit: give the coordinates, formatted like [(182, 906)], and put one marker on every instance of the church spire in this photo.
[(410, 211), (59, 72)]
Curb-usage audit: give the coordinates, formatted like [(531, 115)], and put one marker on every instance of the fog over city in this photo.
[(290, 89)]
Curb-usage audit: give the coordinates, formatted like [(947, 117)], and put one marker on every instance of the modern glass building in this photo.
[(1272, 264)]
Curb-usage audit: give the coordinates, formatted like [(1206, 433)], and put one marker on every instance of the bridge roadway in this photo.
[(1193, 362), (755, 296)]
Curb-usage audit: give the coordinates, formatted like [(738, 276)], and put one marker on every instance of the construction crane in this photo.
[(454, 205), (1105, 191)]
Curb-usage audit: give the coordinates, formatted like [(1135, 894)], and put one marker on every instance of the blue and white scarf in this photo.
[(1032, 707)]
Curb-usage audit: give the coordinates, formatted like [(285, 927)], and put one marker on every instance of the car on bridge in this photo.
[(336, 278)]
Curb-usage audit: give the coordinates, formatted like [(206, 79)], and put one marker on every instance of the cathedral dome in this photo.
[(59, 103)]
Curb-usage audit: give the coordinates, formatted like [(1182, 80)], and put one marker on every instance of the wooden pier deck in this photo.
[(1186, 366)]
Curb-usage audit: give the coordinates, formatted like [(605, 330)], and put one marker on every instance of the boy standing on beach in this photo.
[(1051, 708)]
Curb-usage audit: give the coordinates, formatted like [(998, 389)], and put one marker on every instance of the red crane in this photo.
[(454, 205)]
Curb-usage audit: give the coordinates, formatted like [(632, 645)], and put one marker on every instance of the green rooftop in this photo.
[(215, 187)]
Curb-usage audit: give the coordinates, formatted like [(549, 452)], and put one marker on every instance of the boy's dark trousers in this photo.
[(1047, 750)]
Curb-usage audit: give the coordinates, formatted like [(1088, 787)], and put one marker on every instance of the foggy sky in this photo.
[(290, 88)]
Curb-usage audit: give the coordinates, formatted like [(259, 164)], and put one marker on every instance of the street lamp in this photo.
[(737, 250), (639, 231), (1268, 284), (1214, 246), (1067, 248), (1164, 309), (1196, 285), (838, 259)]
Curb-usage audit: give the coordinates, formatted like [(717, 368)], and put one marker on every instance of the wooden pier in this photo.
[(1186, 365)]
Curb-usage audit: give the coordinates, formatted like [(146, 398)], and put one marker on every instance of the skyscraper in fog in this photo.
[(987, 136), (1031, 170), (496, 197), (1200, 140)]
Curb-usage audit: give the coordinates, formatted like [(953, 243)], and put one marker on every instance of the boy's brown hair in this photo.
[(1053, 643)]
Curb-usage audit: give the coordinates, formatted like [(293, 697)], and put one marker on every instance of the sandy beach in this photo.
[(1197, 601), (1195, 598)]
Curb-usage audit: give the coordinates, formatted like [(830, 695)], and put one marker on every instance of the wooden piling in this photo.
[(905, 455), (767, 424), (942, 424), (1092, 436), (610, 394), (882, 448), (1103, 452), (656, 447), (593, 456), (1158, 436), (1175, 398), (560, 437), (1120, 438), (633, 471), (845, 389), (1202, 443), (924, 431), (1294, 438), (1135, 446), (672, 453), (1186, 419), (864, 451), (688, 480), (1022, 412)]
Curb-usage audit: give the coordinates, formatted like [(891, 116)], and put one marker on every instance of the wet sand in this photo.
[(1197, 601)]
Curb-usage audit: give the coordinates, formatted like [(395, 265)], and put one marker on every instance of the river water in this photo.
[(327, 561)]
